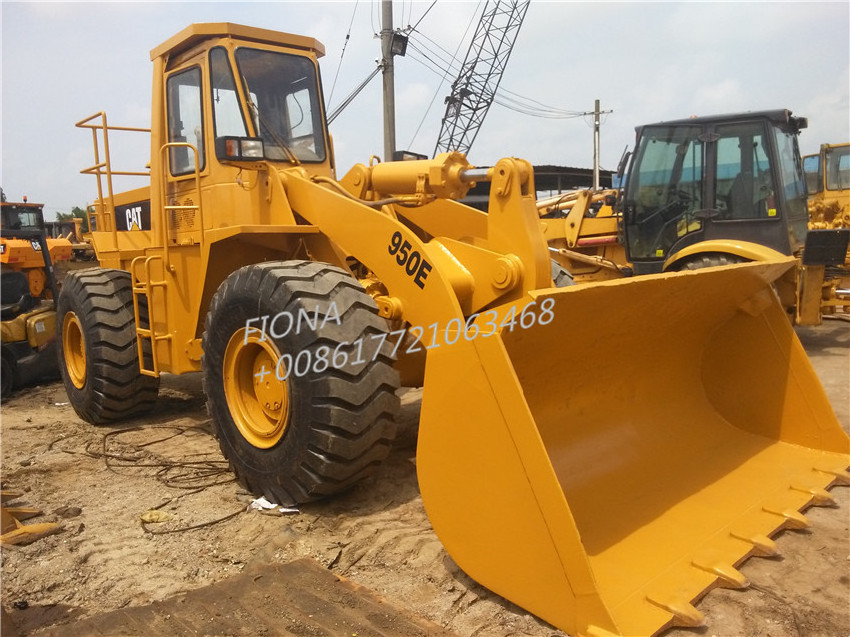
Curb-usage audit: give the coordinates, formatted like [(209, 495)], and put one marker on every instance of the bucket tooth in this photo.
[(684, 613), (596, 631), (842, 476), (763, 546), (793, 518), (820, 497), (728, 575)]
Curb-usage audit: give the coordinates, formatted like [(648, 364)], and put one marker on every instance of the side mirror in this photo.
[(239, 148)]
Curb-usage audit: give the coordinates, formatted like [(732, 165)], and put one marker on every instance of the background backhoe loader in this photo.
[(604, 502), (708, 191)]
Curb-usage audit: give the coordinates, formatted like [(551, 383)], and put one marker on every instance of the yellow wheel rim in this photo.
[(74, 348), (258, 401)]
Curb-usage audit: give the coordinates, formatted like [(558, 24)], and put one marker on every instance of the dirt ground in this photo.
[(97, 482)]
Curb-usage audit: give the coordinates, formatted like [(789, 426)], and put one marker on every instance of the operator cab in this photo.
[(21, 216), (266, 103), (831, 174), (733, 177)]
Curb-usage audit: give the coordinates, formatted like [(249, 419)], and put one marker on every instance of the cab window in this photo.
[(811, 168), (838, 168), (227, 115), (745, 186), (185, 122)]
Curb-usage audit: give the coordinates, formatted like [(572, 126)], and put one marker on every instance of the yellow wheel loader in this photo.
[(606, 500), (828, 182), (28, 330)]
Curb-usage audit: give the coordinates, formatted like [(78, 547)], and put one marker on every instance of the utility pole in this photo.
[(597, 121), (389, 80), (596, 117)]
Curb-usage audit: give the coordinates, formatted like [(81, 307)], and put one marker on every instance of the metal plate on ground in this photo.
[(298, 598)]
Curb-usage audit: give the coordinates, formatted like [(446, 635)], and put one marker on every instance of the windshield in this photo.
[(664, 189), (838, 168), (21, 218), (284, 104)]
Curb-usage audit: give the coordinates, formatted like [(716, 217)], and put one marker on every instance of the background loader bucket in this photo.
[(608, 469)]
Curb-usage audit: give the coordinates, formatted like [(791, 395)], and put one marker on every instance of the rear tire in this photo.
[(98, 356), (314, 433)]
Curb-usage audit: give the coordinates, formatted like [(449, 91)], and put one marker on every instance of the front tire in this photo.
[(711, 260), (98, 356), (293, 420), (561, 277)]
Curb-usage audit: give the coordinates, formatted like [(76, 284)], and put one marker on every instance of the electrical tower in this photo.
[(474, 89)]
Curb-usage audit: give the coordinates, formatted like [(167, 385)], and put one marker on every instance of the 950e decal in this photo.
[(415, 265)]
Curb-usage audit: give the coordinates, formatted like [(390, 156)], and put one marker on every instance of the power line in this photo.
[(333, 115), (342, 53), (445, 72), (475, 87), (503, 97), (413, 28)]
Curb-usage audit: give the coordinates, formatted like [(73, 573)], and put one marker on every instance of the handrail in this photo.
[(166, 166), (103, 167)]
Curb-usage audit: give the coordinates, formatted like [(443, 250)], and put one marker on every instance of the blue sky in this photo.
[(645, 61)]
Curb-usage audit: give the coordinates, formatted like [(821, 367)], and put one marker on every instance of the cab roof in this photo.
[(21, 204), (198, 32), (780, 116)]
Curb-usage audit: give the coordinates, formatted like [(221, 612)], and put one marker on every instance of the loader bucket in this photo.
[(608, 469)]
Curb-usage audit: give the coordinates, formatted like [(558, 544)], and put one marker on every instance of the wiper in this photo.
[(270, 129), (278, 140)]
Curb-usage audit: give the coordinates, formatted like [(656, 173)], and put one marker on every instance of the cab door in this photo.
[(745, 195), (185, 157)]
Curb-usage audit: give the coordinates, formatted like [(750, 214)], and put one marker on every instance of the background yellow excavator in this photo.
[(615, 495)]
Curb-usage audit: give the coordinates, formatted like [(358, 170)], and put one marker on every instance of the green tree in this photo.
[(76, 212)]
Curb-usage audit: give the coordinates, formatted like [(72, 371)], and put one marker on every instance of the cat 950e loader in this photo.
[(605, 498)]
